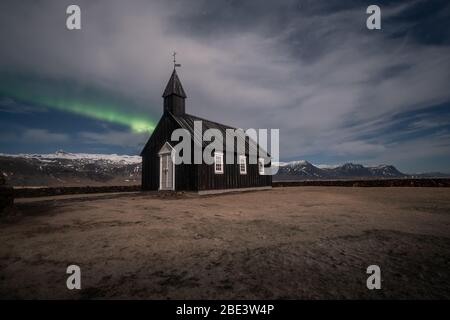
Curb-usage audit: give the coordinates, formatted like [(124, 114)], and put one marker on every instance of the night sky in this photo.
[(337, 91)]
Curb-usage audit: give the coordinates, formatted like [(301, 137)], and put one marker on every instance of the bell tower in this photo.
[(174, 95)]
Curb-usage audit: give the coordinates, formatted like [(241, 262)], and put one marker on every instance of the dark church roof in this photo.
[(186, 121), (174, 86)]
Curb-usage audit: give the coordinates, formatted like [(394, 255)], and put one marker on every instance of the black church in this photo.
[(159, 171)]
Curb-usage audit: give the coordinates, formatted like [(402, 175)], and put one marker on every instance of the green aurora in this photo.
[(95, 105)]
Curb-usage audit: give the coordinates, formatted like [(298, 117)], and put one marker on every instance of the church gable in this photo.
[(166, 148)]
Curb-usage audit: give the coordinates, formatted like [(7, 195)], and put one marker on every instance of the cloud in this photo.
[(43, 136), (9, 105), (114, 138), (358, 147), (309, 68)]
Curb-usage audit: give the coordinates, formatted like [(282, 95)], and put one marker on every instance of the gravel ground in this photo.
[(285, 243)]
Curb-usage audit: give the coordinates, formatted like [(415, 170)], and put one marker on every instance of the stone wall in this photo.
[(56, 191), (6, 195), (367, 183)]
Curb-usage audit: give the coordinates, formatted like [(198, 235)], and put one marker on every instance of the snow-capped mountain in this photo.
[(300, 169), (84, 157), (70, 169), (385, 170), (303, 170)]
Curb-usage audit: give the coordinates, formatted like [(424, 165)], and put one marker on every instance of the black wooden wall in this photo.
[(231, 178), (192, 177)]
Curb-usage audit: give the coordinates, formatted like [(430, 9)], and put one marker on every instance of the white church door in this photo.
[(166, 168)]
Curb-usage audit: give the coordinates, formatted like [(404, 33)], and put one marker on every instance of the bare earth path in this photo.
[(310, 242)]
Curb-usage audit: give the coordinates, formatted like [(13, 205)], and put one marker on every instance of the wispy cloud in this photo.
[(311, 68), (43, 136), (114, 138)]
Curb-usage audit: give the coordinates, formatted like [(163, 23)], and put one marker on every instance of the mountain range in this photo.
[(303, 170), (82, 169)]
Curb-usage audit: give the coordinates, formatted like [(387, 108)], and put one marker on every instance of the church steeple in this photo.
[(174, 94), (174, 86)]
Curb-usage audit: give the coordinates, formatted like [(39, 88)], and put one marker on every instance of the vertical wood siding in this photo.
[(192, 177)]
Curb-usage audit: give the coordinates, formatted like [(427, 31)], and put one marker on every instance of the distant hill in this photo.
[(303, 170), (83, 169)]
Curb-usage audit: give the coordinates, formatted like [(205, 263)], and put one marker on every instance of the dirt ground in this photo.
[(285, 243)]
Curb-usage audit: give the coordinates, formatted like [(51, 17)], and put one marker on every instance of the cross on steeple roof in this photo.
[(175, 64)]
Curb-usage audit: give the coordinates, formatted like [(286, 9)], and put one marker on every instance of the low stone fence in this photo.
[(6, 194), (438, 182), (57, 191), (6, 197)]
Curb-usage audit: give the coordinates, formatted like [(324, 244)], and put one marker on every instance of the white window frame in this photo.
[(220, 156), (261, 161), (242, 157)]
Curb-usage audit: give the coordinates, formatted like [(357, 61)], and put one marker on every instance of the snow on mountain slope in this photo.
[(70, 169), (301, 169), (114, 158)]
